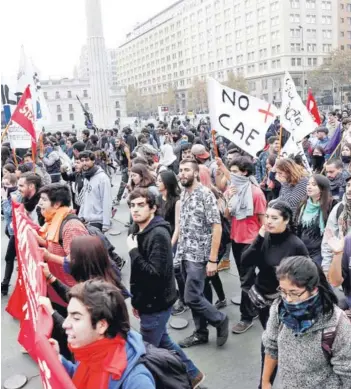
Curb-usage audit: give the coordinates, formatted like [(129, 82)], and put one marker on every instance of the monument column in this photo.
[(98, 72)]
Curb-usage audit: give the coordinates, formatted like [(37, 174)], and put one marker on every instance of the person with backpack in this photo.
[(306, 331), (107, 351), (152, 281)]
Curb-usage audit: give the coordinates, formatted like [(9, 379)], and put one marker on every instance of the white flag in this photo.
[(241, 118), (295, 148), (295, 117)]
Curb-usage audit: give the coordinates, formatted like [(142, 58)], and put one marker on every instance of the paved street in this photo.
[(234, 366)]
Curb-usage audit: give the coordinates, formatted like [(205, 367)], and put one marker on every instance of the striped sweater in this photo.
[(293, 195)]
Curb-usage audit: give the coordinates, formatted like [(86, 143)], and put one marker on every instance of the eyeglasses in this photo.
[(292, 295)]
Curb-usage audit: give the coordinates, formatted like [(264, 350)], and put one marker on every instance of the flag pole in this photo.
[(332, 155), (5, 131)]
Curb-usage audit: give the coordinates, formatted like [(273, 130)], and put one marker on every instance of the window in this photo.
[(229, 61), (311, 4), (275, 20), (251, 85), (85, 93), (249, 30), (278, 63), (239, 46), (239, 59), (70, 108), (262, 53), (45, 95), (311, 19), (294, 18), (261, 25), (326, 5), (251, 56), (86, 106), (251, 69), (238, 34), (58, 108), (250, 43), (311, 33), (59, 118), (264, 84), (249, 16), (311, 47), (260, 12), (326, 19), (228, 38), (57, 95), (295, 3), (295, 47), (275, 35), (275, 6), (69, 94), (295, 61), (295, 33), (71, 116)]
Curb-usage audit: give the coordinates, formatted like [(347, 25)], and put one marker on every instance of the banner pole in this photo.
[(15, 157), (280, 139), (5, 131), (332, 155)]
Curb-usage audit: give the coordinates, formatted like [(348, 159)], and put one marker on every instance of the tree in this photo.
[(169, 98), (335, 71), (236, 82), (134, 101), (197, 95)]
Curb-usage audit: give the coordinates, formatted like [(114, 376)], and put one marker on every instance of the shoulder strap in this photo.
[(339, 211), (328, 336), (69, 217)]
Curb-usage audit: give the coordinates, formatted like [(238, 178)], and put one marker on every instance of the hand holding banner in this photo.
[(241, 118)]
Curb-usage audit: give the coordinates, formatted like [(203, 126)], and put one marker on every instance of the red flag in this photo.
[(24, 116), (312, 108)]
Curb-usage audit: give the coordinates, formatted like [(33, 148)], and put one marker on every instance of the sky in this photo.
[(53, 31)]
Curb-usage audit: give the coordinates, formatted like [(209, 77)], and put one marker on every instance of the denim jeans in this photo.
[(153, 328), (202, 310)]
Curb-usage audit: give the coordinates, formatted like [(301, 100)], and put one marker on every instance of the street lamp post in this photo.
[(303, 63)]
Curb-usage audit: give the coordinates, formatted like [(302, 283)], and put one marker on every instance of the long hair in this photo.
[(169, 180), (304, 273), (146, 177), (90, 259), (293, 171), (326, 199)]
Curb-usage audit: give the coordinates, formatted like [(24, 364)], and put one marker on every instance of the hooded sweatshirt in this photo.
[(97, 200), (152, 282), (136, 375)]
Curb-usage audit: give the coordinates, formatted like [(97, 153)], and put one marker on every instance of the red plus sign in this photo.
[(267, 113)]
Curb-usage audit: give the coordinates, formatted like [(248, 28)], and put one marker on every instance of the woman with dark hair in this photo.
[(141, 177), (306, 331), (318, 159), (8, 168), (293, 182), (6, 157), (275, 241), (312, 215), (346, 157)]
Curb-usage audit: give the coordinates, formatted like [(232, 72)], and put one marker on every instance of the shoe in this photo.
[(198, 380), (221, 304), (127, 225), (255, 317), (193, 340), (4, 289), (179, 309), (224, 264), (241, 327), (116, 202), (223, 332), (114, 210)]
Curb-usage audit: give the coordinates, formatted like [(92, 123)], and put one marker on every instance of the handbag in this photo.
[(260, 301)]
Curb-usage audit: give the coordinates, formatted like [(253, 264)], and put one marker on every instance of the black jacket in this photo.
[(152, 282)]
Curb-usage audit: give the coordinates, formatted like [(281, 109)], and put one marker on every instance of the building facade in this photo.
[(256, 39), (65, 109), (344, 10)]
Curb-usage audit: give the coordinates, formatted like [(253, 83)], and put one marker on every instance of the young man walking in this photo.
[(199, 240), (152, 281)]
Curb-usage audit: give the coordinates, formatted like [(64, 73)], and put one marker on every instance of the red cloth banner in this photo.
[(24, 116), (313, 108), (36, 323)]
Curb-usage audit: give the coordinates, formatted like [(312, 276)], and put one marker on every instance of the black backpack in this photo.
[(94, 231), (166, 367)]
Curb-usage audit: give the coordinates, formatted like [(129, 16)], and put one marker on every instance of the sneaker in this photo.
[(224, 264), (198, 380), (179, 309), (221, 304), (193, 340), (241, 327), (223, 332)]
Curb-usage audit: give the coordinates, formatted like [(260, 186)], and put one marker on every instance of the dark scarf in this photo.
[(91, 172), (301, 316), (30, 203), (11, 190), (336, 182)]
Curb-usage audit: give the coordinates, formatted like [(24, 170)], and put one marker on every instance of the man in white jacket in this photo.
[(97, 200)]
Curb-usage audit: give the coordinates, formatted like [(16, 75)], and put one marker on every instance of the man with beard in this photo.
[(96, 201), (339, 223), (86, 139), (129, 138), (152, 278), (198, 244), (124, 160), (336, 176), (28, 185)]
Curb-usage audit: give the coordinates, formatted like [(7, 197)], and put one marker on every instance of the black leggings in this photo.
[(263, 315), (10, 260)]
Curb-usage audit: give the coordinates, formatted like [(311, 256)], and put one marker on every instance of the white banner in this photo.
[(292, 148), (295, 117), (241, 118)]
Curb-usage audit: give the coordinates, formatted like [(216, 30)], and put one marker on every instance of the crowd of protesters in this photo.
[(191, 203)]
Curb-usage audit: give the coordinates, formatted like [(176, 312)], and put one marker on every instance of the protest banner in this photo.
[(312, 107), (241, 118), (293, 148), (295, 117), (35, 322)]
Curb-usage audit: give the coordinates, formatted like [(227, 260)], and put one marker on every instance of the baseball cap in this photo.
[(200, 151)]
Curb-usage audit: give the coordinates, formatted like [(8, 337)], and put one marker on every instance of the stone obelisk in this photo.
[(98, 72)]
